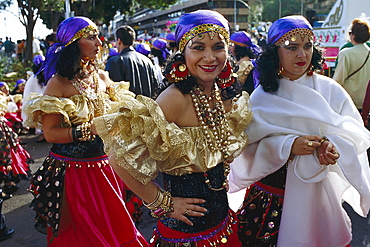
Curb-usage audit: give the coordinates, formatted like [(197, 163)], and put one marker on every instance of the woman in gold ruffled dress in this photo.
[(190, 133), (76, 190)]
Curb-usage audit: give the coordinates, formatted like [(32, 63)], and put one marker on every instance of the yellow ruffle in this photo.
[(144, 143), (76, 109)]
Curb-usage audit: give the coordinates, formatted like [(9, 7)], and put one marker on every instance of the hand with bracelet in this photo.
[(313, 144)]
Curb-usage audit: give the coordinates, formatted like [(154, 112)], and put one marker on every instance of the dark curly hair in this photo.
[(68, 64), (268, 66), (185, 86), (241, 52)]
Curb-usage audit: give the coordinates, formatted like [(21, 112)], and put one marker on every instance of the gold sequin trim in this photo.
[(292, 35), (204, 28), (90, 29)]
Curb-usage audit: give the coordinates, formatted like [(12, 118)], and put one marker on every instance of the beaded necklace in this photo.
[(214, 125), (92, 92)]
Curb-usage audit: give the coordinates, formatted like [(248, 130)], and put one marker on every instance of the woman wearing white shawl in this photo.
[(307, 149)]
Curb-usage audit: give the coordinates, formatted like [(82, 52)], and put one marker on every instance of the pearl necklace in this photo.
[(92, 92), (214, 125)]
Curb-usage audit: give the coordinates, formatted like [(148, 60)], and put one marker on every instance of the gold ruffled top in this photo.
[(144, 143), (76, 109), (245, 67)]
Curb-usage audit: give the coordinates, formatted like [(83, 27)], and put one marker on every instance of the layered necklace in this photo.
[(214, 125), (92, 92)]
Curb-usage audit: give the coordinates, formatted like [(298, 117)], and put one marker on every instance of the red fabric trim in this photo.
[(273, 190)]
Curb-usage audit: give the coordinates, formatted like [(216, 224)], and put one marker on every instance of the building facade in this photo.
[(157, 23)]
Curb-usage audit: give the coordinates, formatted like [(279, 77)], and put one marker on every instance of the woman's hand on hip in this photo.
[(184, 207)]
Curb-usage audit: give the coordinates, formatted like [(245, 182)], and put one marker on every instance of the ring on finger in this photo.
[(187, 211), (310, 143)]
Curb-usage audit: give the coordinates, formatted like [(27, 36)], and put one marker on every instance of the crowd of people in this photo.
[(179, 124)]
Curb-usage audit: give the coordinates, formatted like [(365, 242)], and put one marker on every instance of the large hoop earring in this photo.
[(179, 72), (227, 77)]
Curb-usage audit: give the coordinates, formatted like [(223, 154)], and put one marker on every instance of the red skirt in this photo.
[(93, 212)]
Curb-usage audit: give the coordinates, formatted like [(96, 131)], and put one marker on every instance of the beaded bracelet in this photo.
[(85, 130), (161, 205)]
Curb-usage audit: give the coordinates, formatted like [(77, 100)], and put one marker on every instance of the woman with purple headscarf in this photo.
[(190, 133), (307, 151), (76, 190), (245, 52)]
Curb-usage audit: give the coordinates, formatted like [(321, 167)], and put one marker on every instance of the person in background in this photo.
[(171, 43), (353, 69), (5, 232), (19, 87), (190, 133), (144, 49), (35, 85), (76, 190), (261, 42), (132, 66), (159, 52), (307, 151), (245, 53)]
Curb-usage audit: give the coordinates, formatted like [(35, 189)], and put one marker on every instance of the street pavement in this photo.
[(20, 217)]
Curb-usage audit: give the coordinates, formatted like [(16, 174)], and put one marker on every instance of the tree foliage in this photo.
[(271, 8)]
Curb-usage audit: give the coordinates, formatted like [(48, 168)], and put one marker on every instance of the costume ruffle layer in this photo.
[(145, 143)]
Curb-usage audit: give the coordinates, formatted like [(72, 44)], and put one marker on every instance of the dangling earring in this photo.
[(310, 70), (281, 71), (226, 78), (179, 72)]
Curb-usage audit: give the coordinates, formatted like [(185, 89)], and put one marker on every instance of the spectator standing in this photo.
[(353, 69), (9, 47), (132, 66)]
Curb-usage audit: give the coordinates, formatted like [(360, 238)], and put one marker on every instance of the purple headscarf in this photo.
[(38, 59), (160, 44), (288, 27), (20, 81), (68, 31), (198, 22), (171, 37), (143, 48), (243, 39)]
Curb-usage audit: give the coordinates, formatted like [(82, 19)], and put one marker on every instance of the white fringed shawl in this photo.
[(312, 105)]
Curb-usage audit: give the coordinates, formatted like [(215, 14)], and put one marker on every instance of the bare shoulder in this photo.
[(104, 76), (173, 103), (58, 86)]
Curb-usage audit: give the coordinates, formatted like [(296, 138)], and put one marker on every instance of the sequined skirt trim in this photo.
[(222, 234), (259, 217), (48, 182)]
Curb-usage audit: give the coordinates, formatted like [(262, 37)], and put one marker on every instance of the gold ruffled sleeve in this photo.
[(73, 111), (141, 138), (239, 118)]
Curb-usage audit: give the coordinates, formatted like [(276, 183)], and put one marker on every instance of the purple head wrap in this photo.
[(243, 39), (171, 37), (2, 83), (143, 48), (113, 52), (68, 31), (38, 59), (198, 22), (160, 44), (289, 28), (19, 81)]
